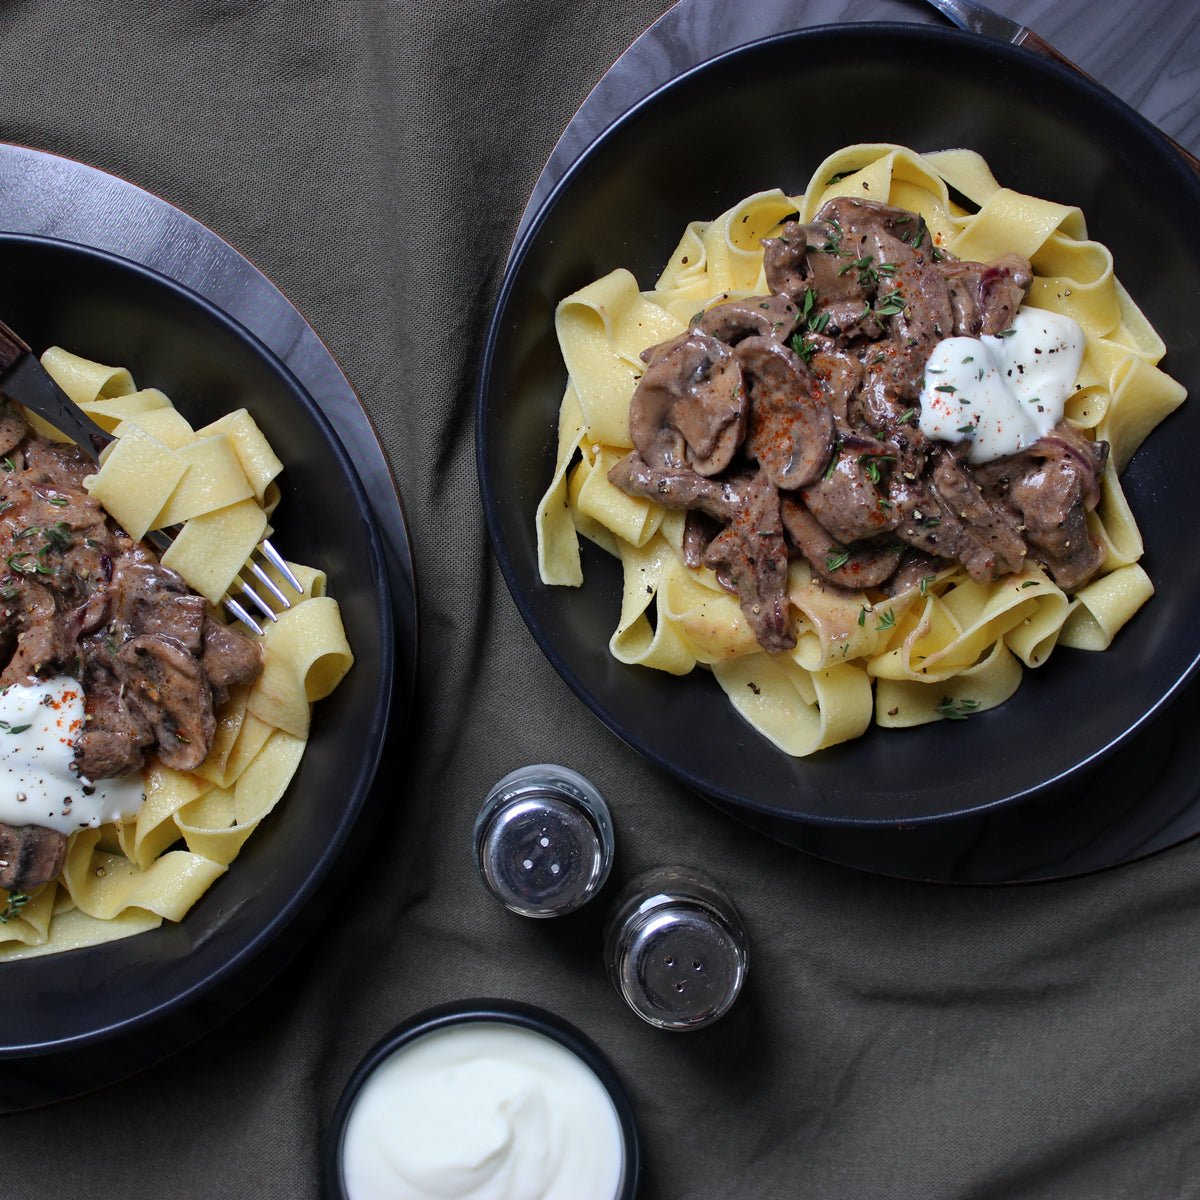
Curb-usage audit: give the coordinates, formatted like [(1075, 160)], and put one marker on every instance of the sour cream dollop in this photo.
[(39, 723), (1003, 393), (482, 1111)]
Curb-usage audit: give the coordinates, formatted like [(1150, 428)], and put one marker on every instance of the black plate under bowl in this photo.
[(112, 310), (766, 115)]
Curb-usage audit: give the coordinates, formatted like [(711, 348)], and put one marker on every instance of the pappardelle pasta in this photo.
[(858, 450), (123, 876)]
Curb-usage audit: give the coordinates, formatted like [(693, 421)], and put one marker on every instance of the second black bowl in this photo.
[(112, 310), (763, 116)]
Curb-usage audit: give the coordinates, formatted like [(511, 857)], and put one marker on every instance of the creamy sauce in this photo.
[(38, 786), (482, 1111), (1003, 393)]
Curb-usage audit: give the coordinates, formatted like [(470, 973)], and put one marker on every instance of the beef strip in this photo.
[(698, 530), (840, 374), (679, 488), (12, 427), (166, 686), (846, 499), (819, 257), (985, 296), (914, 566), (949, 517), (785, 261), (1051, 486), (751, 553), (862, 565)]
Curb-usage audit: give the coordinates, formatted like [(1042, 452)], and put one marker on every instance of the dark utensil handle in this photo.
[(1032, 41)]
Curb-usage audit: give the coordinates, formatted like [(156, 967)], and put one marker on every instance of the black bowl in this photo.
[(766, 115), (505, 1012), (117, 312)]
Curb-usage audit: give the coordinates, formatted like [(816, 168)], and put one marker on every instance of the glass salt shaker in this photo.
[(676, 949), (544, 841)]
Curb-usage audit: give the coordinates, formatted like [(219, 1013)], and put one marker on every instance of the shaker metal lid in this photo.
[(544, 840), (541, 856), (682, 967), (676, 949)]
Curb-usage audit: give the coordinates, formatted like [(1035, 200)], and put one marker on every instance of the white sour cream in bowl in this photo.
[(498, 1102)]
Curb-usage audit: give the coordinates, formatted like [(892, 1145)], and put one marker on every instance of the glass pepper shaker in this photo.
[(676, 949), (544, 840)]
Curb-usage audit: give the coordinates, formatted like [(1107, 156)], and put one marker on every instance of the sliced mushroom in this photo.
[(756, 316), (790, 428), (689, 408)]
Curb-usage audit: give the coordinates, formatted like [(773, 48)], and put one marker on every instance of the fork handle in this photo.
[(1038, 44), (27, 381), (12, 349)]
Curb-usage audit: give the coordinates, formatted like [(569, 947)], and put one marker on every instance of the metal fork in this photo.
[(24, 379), (978, 18)]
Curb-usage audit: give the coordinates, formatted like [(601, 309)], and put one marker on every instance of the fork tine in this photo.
[(242, 615), (273, 557), (258, 602), (269, 584)]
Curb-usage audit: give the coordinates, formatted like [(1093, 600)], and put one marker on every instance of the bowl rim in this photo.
[(476, 1012), (250, 947), (912, 34)]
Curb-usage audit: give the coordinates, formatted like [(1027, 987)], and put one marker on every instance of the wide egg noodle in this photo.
[(602, 330), (30, 925), (305, 656), (214, 479), (733, 242), (800, 711), (164, 423), (109, 413), (903, 703), (104, 883), (259, 462), (837, 625), (557, 537), (1104, 606), (84, 380), (708, 618), (634, 519), (950, 648), (74, 929), (136, 479), (211, 549), (637, 641)]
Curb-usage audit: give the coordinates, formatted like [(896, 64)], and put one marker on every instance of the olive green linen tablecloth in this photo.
[(895, 1040)]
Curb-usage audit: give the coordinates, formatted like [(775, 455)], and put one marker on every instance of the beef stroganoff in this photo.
[(858, 450), (144, 739)]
